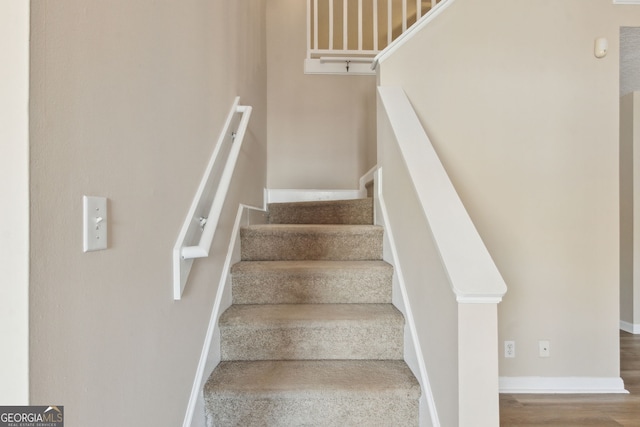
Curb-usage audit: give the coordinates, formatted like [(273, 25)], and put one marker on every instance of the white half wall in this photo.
[(14, 202)]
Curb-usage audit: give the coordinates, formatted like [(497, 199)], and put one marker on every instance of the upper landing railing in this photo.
[(343, 36)]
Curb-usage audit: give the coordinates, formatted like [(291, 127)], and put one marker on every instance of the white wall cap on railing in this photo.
[(410, 32), (472, 273)]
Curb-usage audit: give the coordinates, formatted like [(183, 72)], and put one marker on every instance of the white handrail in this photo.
[(473, 276), (195, 222), (436, 10)]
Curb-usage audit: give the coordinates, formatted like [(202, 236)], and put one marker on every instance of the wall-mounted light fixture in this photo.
[(600, 48)]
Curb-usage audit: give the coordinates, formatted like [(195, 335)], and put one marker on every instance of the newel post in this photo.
[(478, 393)]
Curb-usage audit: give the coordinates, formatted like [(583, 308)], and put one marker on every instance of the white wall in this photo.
[(321, 128), (14, 202), (127, 101), (525, 119)]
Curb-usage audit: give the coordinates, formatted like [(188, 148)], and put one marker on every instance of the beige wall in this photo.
[(629, 208), (14, 202), (525, 119), (127, 101), (321, 128)]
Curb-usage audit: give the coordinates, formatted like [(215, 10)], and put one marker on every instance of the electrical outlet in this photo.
[(544, 348), (509, 349)]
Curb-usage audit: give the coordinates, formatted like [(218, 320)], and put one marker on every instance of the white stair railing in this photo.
[(345, 35), (440, 254), (202, 220)]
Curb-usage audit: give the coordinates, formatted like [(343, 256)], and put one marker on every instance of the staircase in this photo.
[(312, 337)]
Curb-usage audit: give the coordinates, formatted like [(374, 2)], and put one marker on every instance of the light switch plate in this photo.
[(94, 214)]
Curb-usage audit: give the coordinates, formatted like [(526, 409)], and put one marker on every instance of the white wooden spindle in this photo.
[(375, 25), (389, 21), (308, 28), (404, 15), (418, 9), (359, 24), (315, 24), (345, 28), (330, 24)]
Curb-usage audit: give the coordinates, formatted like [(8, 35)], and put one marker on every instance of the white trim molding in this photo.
[(341, 66), (278, 195), (480, 299), (626, 1), (632, 328), (562, 385), (367, 178), (210, 354)]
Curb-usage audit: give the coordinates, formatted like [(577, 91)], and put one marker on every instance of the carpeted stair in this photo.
[(312, 338)]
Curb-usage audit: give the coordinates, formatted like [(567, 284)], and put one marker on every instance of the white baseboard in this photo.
[(210, 355), (632, 328), (561, 385), (277, 195)]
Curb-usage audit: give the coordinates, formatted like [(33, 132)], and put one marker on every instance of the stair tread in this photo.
[(293, 315), (307, 266), (301, 378), (312, 228)]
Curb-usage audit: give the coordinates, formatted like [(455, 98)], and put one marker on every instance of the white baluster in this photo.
[(389, 21), (331, 24), (345, 20), (315, 24), (359, 24), (308, 28), (375, 25), (404, 15)]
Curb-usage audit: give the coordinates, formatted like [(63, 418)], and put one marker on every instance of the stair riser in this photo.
[(362, 286), (346, 342), (340, 412), (342, 212), (258, 246)]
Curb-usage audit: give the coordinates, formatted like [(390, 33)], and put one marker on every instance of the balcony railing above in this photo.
[(343, 36)]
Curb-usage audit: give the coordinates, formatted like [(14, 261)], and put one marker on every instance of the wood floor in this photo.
[(564, 410)]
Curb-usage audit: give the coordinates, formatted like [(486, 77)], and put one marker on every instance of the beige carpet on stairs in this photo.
[(312, 338)]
